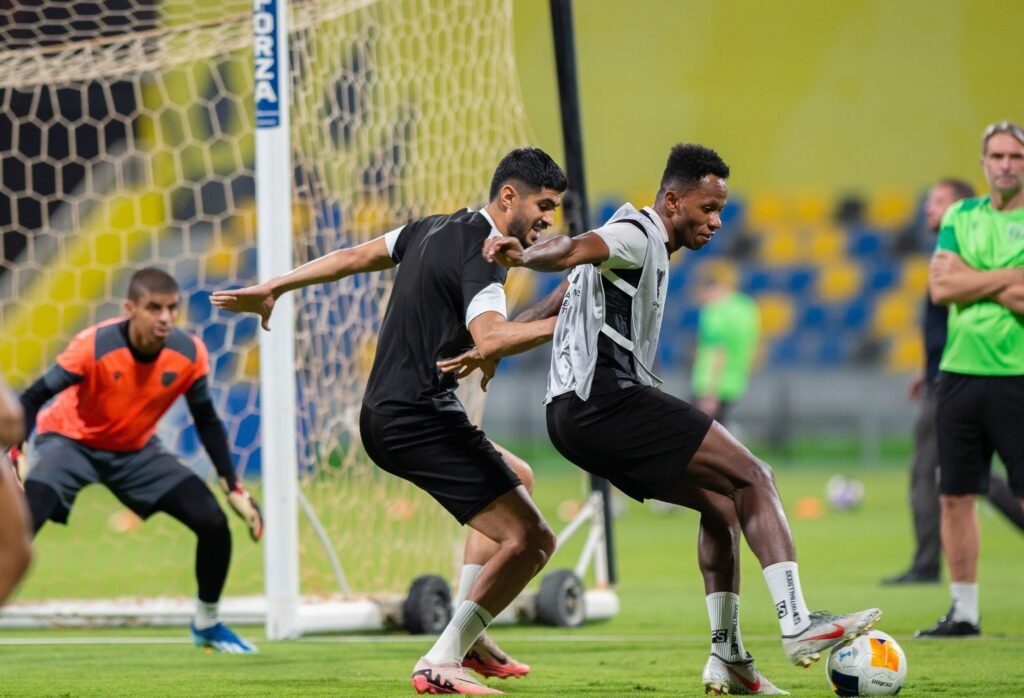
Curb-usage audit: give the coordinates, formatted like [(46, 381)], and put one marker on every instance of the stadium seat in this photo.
[(895, 311), (890, 209), (839, 281), (825, 243), (915, 274), (777, 314), (866, 244), (905, 351), (781, 246), (811, 208)]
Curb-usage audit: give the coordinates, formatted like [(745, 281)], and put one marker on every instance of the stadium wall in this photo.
[(838, 96)]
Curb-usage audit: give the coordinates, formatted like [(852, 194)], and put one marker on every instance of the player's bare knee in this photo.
[(534, 546), (956, 504), (524, 471), (545, 541)]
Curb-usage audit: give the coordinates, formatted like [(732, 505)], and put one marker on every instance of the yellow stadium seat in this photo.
[(895, 312), (767, 208), (812, 207), (906, 352), (781, 247), (915, 274), (777, 314), (890, 210), (839, 281), (825, 243)]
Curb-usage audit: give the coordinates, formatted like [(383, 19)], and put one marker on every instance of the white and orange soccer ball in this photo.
[(872, 664)]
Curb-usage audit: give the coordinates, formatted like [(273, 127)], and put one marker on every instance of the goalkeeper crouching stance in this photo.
[(111, 385)]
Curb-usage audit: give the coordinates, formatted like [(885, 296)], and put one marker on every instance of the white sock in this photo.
[(965, 601), (724, 613), (469, 621), (466, 580), (784, 585), (206, 615)]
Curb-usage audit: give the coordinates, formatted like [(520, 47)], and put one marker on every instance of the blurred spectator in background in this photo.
[(924, 469), (727, 338), (978, 270)]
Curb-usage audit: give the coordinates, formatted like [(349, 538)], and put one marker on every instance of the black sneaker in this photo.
[(947, 627), (912, 576)]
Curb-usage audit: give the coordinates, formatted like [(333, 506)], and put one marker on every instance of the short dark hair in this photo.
[(961, 189), (688, 163), (150, 280), (1015, 130), (531, 167)]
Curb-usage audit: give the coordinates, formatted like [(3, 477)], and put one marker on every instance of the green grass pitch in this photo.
[(656, 646)]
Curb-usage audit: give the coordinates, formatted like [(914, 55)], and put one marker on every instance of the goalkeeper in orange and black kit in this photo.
[(113, 383)]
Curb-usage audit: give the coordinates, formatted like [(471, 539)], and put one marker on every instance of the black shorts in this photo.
[(138, 478), (443, 454), (639, 439), (978, 416)]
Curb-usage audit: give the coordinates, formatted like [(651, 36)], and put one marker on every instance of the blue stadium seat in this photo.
[(866, 244), (799, 279), (756, 280), (856, 314), (734, 213), (881, 275)]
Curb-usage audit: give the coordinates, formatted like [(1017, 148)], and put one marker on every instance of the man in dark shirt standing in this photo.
[(924, 485), (446, 298)]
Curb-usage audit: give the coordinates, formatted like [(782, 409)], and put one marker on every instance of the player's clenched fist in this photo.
[(506, 251)]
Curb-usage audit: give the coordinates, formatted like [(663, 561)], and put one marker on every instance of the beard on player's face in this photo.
[(525, 229)]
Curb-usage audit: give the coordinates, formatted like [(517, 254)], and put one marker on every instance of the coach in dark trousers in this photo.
[(924, 472), (978, 270)]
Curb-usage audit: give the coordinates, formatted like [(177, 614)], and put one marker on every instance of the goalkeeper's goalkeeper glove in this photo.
[(19, 463), (246, 507)]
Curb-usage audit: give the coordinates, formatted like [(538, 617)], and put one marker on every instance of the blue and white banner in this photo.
[(266, 49)]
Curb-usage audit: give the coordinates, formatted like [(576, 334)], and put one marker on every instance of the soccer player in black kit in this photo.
[(446, 298)]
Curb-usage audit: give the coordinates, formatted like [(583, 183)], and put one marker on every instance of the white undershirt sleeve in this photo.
[(391, 239), (627, 246), (490, 298)]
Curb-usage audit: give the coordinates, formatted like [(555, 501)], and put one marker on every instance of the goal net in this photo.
[(127, 140)]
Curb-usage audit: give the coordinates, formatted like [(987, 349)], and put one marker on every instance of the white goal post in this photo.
[(187, 134)]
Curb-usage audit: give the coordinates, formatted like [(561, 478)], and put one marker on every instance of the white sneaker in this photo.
[(737, 678), (825, 631)]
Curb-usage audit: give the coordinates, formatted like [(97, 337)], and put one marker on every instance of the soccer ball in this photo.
[(843, 494), (872, 664)]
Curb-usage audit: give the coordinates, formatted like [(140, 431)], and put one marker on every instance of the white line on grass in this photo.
[(348, 639), (395, 639)]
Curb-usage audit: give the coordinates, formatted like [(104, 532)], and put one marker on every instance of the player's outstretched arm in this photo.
[(557, 253), (467, 362), (952, 280), (495, 337), (260, 299)]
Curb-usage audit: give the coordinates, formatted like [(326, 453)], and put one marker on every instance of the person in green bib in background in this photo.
[(978, 271), (728, 332)]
